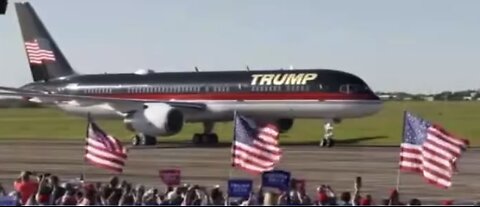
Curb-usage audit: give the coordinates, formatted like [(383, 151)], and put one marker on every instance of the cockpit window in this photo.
[(354, 88)]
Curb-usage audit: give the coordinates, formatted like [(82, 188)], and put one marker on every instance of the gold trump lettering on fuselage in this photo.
[(283, 79)]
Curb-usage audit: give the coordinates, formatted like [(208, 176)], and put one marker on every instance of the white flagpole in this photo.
[(403, 135)]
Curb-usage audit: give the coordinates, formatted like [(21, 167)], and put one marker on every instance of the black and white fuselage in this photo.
[(321, 94)]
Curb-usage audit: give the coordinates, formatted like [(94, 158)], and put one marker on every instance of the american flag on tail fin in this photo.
[(255, 146), (430, 150), (103, 150), (37, 51)]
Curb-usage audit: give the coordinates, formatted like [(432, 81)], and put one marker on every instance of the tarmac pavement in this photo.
[(337, 167)]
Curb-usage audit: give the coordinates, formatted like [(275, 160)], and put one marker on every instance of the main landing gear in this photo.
[(207, 137), (143, 140), (327, 140)]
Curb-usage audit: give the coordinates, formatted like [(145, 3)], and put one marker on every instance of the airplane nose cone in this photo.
[(372, 107), (379, 106)]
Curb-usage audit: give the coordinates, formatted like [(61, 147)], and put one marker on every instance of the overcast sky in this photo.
[(409, 45)]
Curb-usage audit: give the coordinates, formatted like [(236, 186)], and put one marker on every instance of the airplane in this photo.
[(158, 104)]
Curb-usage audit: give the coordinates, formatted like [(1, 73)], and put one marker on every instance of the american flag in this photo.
[(255, 146), (103, 150), (37, 52), (429, 150)]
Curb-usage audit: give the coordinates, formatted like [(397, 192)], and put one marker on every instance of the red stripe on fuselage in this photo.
[(243, 96)]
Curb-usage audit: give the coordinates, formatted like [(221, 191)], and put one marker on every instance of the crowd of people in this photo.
[(46, 189)]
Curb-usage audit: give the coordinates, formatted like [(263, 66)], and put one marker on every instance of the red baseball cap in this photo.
[(447, 202), (366, 202), (322, 197)]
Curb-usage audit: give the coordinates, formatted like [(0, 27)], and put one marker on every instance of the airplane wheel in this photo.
[(150, 140), (143, 140), (205, 138), (210, 138), (197, 139), (135, 140), (213, 138)]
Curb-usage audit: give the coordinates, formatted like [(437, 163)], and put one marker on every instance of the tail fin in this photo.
[(45, 58)]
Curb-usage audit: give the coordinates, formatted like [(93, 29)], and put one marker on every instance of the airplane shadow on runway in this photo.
[(342, 142), (188, 144)]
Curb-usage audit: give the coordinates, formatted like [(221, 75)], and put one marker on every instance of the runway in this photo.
[(336, 167)]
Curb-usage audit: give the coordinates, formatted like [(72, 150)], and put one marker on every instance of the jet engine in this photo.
[(284, 124), (155, 120)]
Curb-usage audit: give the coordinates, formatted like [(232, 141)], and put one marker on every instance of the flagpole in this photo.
[(82, 176), (403, 135), (233, 144), (232, 151)]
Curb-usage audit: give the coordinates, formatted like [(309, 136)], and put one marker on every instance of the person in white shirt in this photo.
[(328, 135)]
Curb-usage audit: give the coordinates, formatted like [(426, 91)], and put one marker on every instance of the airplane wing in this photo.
[(120, 104), (3, 88)]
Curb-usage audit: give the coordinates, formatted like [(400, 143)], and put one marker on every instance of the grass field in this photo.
[(461, 118)]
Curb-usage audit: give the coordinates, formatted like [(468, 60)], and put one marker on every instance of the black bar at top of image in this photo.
[(3, 6)]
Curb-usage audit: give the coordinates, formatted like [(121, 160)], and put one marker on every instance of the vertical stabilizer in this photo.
[(44, 57)]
